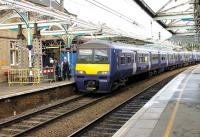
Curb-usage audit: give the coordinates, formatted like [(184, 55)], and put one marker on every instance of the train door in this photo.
[(117, 59), (167, 58), (134, 62), (149, 60)]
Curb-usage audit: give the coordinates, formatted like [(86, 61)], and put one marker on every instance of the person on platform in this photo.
[(58, 71), (65, 69), (51, 62)]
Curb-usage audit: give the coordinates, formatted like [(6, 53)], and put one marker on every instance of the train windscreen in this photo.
[(93, 56)]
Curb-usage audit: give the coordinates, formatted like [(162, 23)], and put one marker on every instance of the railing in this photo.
[(31, 76), (24, 76), (48, 73)]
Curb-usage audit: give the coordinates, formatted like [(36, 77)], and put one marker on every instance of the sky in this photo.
[(127, 17)]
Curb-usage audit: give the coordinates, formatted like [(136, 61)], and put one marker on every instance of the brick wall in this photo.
[(5, 37)]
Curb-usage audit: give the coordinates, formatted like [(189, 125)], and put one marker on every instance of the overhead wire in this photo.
[(114, 12)]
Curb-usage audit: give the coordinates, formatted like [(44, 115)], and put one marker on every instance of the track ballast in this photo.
[(113, 120)]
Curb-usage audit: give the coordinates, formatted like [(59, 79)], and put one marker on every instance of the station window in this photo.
[(14, 57), (123, 59), (14, 53)]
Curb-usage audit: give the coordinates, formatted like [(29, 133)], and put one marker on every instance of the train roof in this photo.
[(126, 47), (117, 45)]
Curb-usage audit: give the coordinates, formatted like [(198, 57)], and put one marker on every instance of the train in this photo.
[(103, 66)]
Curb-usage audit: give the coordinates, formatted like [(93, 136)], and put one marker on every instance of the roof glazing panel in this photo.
[(177, 15), (122, 15)]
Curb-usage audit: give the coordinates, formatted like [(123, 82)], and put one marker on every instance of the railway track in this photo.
[(21, 125), (113, 120)]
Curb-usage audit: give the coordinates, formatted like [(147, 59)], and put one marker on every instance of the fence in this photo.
[(30, 76), (24, 76), (48, 73)]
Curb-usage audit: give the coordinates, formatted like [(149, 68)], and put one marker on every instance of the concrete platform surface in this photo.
[(17, 89), (173, 112)]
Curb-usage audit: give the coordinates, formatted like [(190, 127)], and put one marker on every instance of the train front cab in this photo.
[(93, 70)]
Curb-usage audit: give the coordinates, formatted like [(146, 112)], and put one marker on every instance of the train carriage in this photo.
[(103, 66)]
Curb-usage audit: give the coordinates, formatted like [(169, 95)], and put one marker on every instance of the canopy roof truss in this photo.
[(177, 16), (53, 21)]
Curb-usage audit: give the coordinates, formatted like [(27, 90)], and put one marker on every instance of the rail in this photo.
[(23, 124), (111, 121)]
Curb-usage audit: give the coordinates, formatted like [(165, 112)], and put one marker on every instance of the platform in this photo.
[(173, 112), (17, 89)]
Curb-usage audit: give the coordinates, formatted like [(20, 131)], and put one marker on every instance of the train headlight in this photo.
[(80, 72), (103, 72)]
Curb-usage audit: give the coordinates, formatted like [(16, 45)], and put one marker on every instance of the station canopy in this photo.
[(140, 19), (123, 16)]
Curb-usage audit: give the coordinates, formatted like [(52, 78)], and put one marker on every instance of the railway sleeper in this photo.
[(31, 122), (21, 126), (84, 101), (41, 119), (114, 125), (111, 121), (61, 110), (68, 108), (122, 115), (104, 129), (46, 116), (119, 118), (137, 102), (55, 113), (72, 106), (3, 135), (11, 131), (126, 111), (132, 108), (135, 105)]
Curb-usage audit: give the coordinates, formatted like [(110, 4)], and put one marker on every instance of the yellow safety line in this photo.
[(173, 116)]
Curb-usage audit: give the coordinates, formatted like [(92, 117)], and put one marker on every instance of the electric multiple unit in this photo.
[(103, 66)]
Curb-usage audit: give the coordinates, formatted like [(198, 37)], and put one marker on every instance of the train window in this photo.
[(163, 58), (129, 59), (100, 56), (171, 56), (123, 59), (154, 57), (176, 56), (146, 59), (85, 56), (142, 58)]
